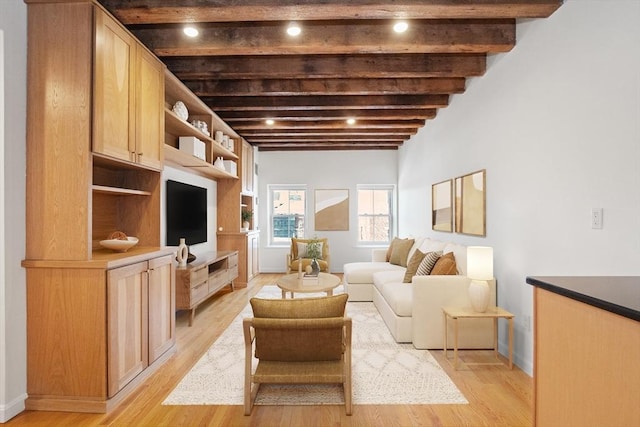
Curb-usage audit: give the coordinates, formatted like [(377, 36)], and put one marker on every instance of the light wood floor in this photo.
[(497, 396)]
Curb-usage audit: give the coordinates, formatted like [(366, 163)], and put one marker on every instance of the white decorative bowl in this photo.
[(181, 110), (119, 245)]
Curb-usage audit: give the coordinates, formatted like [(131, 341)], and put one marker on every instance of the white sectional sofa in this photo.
[(413, 311)]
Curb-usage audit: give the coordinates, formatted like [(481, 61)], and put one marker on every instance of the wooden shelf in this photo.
[(175, 90), (176, 126), (101, 189), (175, 157)]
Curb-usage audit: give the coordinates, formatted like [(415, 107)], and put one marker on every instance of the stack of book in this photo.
[(310, 278)]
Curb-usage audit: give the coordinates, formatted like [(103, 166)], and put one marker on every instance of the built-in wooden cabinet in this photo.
[(246, 243), (96, 330), (98, 322)]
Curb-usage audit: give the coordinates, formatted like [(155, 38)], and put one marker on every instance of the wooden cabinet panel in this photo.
[(128, 323), (162, 306), (149, 110), (583, 355), (66, 333), (247, 167), (58, 131), (113, 114)]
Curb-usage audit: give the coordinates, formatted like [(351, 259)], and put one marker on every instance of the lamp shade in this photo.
[(480, 262)]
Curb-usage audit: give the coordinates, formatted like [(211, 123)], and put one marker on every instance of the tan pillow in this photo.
[(412, 265), (427, 263), (390, 248), (400, 252), (446, 265)]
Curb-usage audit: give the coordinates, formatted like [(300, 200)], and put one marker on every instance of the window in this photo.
[(287, 212), (375, 213)]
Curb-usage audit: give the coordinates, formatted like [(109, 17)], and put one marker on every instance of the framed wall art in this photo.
[(332, 210), (470, 202), (442, 206)]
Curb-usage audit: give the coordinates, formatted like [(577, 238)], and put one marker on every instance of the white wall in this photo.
[(212, 207), (556, 124), (321, 170), (13, 95)]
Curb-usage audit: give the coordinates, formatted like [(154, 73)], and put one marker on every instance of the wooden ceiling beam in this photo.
[(285, 87), (183, 11), (389, 139), (399, 132), (334, 38), (329, 66), (339, 124), (349, 102), (320, 115)]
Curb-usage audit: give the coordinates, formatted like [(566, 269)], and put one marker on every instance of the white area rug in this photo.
[(384, 372)]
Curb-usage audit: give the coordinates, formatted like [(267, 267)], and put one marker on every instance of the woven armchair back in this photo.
[(299, 330)]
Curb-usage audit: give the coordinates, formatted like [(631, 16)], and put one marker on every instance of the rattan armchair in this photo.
[(294, 256), (297, 341)]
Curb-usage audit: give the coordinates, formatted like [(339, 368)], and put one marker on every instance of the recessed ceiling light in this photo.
[(270, 122), (190, 31), (400, 27), (351, 121), (294, 29)]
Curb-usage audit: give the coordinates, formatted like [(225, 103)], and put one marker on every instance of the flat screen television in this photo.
[(186, 213)]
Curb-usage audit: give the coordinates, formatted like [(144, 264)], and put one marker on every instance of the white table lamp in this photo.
[(479, 270)]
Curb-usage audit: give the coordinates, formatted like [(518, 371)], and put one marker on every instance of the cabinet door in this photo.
[(162, 306), (149, 109), (127, 324), (247, 167), (113, 130), (252, 256)]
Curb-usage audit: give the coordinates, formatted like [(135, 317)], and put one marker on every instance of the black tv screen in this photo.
[(186, 213)]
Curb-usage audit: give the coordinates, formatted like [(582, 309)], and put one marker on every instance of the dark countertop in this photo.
[(617, 294)]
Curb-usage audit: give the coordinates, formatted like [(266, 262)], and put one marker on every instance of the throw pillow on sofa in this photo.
[(427, 263), (390, 248), (400, 252), (412, 265), (446, 265)]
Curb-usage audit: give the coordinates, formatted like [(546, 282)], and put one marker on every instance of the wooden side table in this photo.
[(495, 313)]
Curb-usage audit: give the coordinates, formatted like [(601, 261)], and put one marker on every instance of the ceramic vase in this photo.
[(479, 295), (315, 267), (183, 253)]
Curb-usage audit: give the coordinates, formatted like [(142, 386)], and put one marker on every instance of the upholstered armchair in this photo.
[(297, 341), (298, 251)]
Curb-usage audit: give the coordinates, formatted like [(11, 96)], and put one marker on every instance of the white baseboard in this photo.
[(13, 408)]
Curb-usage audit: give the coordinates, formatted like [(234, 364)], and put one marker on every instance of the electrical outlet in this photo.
[(596, 218)]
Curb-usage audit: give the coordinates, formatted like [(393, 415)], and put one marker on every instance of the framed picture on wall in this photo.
[(470, 202), (441, 206), (332, 210)]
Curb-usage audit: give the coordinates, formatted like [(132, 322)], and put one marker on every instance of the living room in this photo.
[(554, 123)]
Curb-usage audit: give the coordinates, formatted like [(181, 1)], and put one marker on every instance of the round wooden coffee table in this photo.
[(290, 283)]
